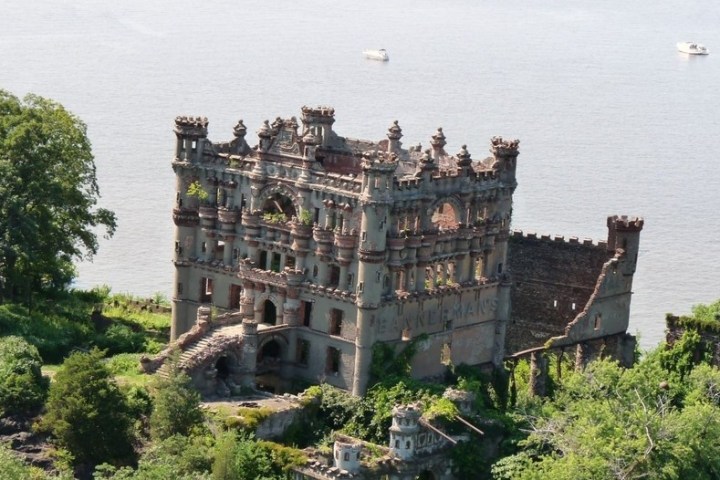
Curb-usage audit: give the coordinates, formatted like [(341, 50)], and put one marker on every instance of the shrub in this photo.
[(22, 386), (177, 406), (86, 411)]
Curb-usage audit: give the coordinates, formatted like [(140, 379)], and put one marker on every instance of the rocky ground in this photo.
[(16, 432)]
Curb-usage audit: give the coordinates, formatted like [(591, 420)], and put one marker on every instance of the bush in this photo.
[(22, 386), (177, 406), (86, 411)]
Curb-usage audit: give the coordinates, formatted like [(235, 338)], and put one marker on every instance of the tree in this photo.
[(48, 195), (22, 386), (176, 406), (87, 412)]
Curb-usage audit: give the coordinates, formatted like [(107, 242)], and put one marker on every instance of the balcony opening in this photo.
[(334, 276), (307, 313), (262, 263), (275, 263), (235, 294), (269, 313), (445, 217), (278, 209)]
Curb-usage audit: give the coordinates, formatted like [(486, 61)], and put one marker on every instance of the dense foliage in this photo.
[(660, 419), (22, 386), (176, 406), (87, 413), (48, 196)]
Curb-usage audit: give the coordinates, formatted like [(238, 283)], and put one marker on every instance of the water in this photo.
[(612, 120)]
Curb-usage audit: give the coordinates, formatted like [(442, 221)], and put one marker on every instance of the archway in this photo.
[(446, 216), (222, 367), (271, 351), (278, 208), (269, 313)]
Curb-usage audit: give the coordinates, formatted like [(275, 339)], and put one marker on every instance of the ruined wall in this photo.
[(709, 335), (553, 279)]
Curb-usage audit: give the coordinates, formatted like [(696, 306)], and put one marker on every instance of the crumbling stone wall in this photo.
[(553, 279), (709, 335)]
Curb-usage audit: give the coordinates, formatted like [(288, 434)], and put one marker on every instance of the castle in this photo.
[(312, 248)]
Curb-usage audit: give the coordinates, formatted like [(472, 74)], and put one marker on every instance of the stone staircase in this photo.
[(190, 354)]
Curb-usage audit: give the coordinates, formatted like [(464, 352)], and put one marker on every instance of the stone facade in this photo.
[(572, 293), (312, 247)]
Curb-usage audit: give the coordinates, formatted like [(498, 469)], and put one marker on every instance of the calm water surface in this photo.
[(612, 120)]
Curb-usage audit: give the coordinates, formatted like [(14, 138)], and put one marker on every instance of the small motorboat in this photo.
[(692, 48), (380, 55)]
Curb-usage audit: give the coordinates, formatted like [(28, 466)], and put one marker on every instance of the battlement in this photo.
[(502, 147), (318, 113), (625, 223), (559, 239), (185, 122)]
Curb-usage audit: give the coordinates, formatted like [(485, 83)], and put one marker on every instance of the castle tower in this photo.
[(191, 133), (375, 201), (346, 455), (624, 232), (319, 121), (404, 430)]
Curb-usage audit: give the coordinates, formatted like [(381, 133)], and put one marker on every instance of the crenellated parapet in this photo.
[(558, 239), (189, 125)]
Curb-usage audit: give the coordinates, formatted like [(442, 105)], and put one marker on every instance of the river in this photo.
[(611, 118)]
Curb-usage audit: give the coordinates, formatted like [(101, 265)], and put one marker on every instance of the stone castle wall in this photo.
[(553, 279)]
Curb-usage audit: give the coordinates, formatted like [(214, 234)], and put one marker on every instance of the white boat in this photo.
[(377, 55), (692, 48)]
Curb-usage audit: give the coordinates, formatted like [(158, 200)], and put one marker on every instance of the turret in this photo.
[(624, 233), (404, 430), (505, 153), (319, 121), (191, 133), (346, 455), (375, 200)]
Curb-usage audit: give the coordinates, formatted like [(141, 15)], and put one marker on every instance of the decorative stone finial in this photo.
[(394, 132), (265, 131), (277, 125), (240, 129), (463, 157), (438, 140)]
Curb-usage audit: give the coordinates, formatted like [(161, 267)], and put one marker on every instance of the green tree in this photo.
[(87, 413), (176, 406), (22, 386), (48, 195)]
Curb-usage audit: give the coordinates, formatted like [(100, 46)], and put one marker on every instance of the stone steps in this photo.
[(198, 346)]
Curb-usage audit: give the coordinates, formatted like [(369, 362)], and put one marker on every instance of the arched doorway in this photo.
[(269, 313), (270, 352), (222, 367), (268, 366)]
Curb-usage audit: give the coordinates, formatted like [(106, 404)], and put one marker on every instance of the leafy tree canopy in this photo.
[(48, 195)]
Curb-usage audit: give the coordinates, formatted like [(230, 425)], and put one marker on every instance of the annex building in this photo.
[(296, 256)]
